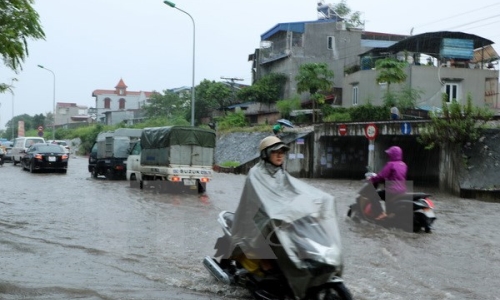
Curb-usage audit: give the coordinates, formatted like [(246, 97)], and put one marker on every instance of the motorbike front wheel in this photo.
[(331, 291)]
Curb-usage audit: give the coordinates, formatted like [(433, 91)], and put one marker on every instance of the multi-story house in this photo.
[(119, 105), (68, 114), (286, 46), (451, 63)]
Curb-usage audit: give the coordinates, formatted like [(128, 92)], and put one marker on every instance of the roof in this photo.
[(430, 42), (96, 93), (121, 84), (298, 27)]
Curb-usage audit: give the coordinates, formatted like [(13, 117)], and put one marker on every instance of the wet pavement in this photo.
[(71, 236)]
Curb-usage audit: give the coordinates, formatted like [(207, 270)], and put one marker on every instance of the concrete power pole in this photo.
[(232, 79)]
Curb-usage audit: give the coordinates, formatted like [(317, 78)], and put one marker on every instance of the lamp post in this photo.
[(53, 102), (171, 4), (12, 120)]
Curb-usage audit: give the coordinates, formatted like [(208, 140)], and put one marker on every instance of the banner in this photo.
[(20, 128)]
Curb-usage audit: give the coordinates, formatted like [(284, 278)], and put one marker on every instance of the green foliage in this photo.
[(266, 90), (338, 117), (369, 112), (230, 164), (352, 19), (211, 95), (19, 22), (408, 97), (390, 71), (168, 104), (232, 120), (314, 78), (285, 107), (458, 124)]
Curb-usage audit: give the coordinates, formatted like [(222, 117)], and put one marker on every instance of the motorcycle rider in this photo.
[(393, 174), (269, 169)]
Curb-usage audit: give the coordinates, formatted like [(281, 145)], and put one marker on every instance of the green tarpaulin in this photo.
[(161, 137)]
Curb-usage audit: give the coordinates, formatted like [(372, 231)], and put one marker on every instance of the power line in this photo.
[(232, 79), (458, 15)]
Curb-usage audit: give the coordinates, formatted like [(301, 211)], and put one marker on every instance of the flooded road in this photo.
[(71, 236)]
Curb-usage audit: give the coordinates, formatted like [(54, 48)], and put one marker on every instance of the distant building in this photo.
[(70, 113), (119, 105)]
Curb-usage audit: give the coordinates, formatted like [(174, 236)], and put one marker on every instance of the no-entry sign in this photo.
[(342, 129), (371, 131)]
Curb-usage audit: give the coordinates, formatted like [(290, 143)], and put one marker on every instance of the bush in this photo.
[(232, 120)]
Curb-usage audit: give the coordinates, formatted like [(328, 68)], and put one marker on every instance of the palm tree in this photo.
[(312, 78)]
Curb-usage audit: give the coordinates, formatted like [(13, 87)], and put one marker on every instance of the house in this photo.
[(329, 40), (119, 105), (69, 114), (455, 63)]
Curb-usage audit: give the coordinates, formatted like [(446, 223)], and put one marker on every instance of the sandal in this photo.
[(381, 216)]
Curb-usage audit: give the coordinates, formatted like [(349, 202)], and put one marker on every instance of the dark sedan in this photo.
[(44, 157)]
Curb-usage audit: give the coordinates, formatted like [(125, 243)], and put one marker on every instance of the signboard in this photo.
[(371, 131), (20, 128), (405, 128), (342, 129), (299, 141)]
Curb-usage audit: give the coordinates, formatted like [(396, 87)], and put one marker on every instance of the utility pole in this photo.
[(232, 79)]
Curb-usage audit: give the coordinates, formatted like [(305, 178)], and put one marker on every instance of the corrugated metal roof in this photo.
[(298, 27)]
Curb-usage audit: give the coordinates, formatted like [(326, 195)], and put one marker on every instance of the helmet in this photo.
[(273, 141)]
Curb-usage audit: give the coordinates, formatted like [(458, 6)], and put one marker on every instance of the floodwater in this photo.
[(71, 236)]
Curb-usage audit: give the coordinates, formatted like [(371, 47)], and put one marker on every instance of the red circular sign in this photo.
[(342, 129), (40, 128), (371, 131)]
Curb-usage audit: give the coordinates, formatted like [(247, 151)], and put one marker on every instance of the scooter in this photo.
[(411, 212), (311, 247)]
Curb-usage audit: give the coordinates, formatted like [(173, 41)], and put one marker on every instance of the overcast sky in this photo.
[(91, 44)]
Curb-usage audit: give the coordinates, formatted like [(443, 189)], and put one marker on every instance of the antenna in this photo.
[(232, 79)]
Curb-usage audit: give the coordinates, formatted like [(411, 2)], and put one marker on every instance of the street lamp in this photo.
[(171, 4), (12, 120), (53, 103)]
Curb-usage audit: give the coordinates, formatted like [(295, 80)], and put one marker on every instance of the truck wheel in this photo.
[(141, 184)]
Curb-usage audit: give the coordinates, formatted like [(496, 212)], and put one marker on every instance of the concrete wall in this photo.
[(429, 80)]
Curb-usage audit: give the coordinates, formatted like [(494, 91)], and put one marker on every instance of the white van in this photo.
[(23, 143)]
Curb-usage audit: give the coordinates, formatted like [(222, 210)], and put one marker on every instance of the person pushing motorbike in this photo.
[(393, 174)]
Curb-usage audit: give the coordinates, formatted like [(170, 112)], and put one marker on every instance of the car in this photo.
[(21, 145), (44, 157), (7, 153), (62, 143)]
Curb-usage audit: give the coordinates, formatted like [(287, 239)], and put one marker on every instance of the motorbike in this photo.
[(412, 211), (304, 246), (2, 160)]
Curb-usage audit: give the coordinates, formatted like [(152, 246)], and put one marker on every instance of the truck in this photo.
[(173, 158), (110, 151)]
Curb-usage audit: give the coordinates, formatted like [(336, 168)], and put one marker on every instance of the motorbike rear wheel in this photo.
[(331, 291)]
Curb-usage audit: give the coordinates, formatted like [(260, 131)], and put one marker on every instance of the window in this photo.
[(121, 103), (107, 103), (452, 92), (330, 42), (355, 95)]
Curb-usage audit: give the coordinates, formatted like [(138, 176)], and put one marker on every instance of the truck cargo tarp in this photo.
[(161, 137)]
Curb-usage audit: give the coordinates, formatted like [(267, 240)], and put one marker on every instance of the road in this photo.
[(71, 236)]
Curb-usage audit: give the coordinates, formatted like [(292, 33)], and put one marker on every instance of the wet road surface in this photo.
[(71, 236)]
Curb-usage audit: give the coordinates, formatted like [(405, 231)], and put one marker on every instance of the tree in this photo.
[(313, 78), (168, 104), (390, 71), (212, 95), (18, 22), (266, 90), (352, 19)]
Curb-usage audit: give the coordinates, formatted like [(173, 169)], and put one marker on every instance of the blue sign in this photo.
[(405, 128)]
